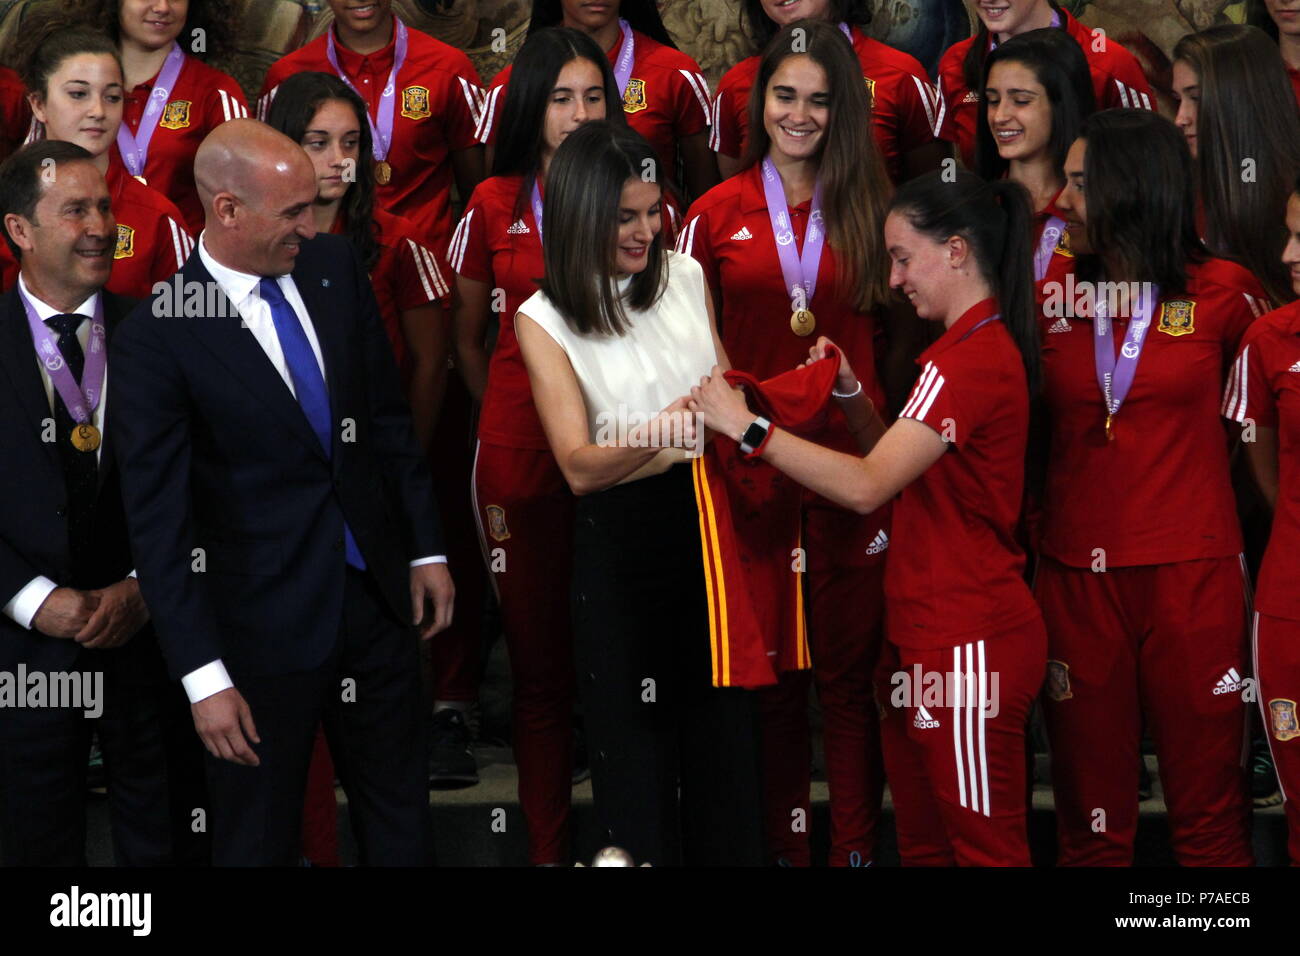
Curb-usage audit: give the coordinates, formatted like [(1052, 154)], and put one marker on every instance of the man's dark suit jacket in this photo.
[(236, 512), (34, 497)]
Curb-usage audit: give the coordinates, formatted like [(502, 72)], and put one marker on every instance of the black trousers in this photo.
[(43, 758), (368, 695), (654, 721)]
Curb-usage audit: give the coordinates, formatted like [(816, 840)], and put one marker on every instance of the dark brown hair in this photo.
[(51, 39), (1137, 179), (1246, 114), (855, 185), (218, 19), (295, 105), (583, 187)]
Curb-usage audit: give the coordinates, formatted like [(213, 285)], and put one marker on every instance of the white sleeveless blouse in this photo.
[(667, 349)]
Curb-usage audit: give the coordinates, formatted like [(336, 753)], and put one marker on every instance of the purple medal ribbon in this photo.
[(848, 34), (80, 400), (623, 67), (537, 209), (1047, 245), (799, 272), (1115, 375), (135, 149), (381, 132)]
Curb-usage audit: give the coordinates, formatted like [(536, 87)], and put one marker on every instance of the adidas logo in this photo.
[(879, 543), (923, 720), (971, 97), (520, 228), (1294, 368), (743, 234), (1060, 325), (1229, 683)]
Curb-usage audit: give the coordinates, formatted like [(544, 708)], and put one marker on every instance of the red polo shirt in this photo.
[(904, 104), (1117, 81), (202, 100), (15, 114), (406, 276), (667, 97), (1294, 75), (955, 568), (152, 243), (1264, 387), (728, 231), (434, 116), (497, 243), (1160, 491)]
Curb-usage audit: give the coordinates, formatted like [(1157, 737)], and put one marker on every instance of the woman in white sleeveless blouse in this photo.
[(614, 340)]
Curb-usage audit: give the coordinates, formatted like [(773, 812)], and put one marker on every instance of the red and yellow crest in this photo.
[(125, 242), (1282, 716), (1178, 317), (496, 516), (871, 92), (415, 102), (176, 115), (634, 96)]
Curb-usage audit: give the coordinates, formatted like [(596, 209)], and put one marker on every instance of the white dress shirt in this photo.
[(243, 290), (22, 607)]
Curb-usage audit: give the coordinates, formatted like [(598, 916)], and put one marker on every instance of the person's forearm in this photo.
[(425, 397), (865, 425), (593, 468), (472, 359), (839, 477)]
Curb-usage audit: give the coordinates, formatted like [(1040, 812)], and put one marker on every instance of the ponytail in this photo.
[(1015, 279), (996, 220)]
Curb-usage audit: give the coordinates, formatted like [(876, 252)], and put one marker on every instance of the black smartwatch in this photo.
[(754, 435)]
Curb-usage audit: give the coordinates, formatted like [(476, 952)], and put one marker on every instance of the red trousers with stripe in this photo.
[(1276, 643), (1165, 642), (525, 518), (845, 607), (956, 759), (457, 653)]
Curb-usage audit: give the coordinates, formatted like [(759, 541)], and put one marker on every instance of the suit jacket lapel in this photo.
[(234, 345), (18, 358)]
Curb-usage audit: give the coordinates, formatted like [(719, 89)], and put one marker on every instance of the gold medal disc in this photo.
[(1110, 428), (802, 322), (141, 180), (383, 172), (85, 438)]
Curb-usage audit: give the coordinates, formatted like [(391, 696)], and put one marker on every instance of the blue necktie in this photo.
[(309, 383)]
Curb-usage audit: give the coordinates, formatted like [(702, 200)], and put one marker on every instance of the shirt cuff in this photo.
[(435, 559), (28, 601), (132, 574), (207, 680)]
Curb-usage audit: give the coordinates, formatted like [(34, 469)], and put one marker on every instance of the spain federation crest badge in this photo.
[(176, 115), (496, 516), (1058, 681), (634, 96), (871, 92), (1282, 715), (415, 103), (1178, 317), (125, 242)]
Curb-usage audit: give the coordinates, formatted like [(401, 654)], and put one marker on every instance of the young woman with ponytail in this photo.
[(1117, 77), (957, 606), (1140, 576)]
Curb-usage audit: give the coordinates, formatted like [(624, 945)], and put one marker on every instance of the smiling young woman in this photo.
[(76, 94), (616, 336), (790, 246), (903, 103), (523, 508), (1037, 93), (173, 99), (1117, 77), (664, 93)]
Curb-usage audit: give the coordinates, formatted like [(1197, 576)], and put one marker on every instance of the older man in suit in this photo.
[(73, 615), (282, 512)]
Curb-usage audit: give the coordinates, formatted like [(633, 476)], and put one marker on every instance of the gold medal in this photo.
[(1110, 427), (142, 181), (802, 322), (383, 172), (85, 437)]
